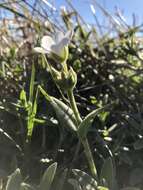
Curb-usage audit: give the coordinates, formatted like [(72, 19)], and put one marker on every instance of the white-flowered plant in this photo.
[(56, 46), (65, 79)]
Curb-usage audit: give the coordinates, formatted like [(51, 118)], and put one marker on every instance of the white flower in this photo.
[(56, 45)]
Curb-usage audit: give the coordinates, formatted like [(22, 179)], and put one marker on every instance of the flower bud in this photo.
[(65, 80), (72, 78)]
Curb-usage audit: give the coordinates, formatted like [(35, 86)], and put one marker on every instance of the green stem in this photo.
[(89, 157), (84, 141), (74, 106)]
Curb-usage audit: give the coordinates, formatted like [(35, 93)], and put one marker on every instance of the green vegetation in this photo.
[(71, 98)]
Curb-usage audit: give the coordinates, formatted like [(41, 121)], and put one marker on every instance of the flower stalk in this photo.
[(84, 141), (74, 106), (89, 157), (65, 80)]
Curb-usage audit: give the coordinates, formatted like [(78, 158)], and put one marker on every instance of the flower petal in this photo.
[(46, 43), (56, 49), (59, 36), (66, 40), (40, 50)]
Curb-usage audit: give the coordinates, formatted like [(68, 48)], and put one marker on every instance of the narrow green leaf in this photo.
[(41, 121), (103, 115), (30, 126), (85, 180), (48, 177), (63, 112), (14, 181), (75, 184), (107, 176), (102, 188), (31, 115), (45, 94), (34, 110), (23, 98), (31, 90), (29, 120), (86, 123)]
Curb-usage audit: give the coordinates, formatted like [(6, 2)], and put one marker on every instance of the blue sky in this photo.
[(127, 6)]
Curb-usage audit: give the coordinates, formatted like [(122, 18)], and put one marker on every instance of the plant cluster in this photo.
[(76, 105)]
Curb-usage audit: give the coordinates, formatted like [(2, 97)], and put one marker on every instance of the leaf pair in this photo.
[(66, 116), (84, 181), (107, 178), (15, 181), (31, 105), (63, 112)]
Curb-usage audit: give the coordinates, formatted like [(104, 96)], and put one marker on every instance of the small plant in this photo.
[(69, 116), (66, 80), (81, 180), (108, 69), (15, 181)]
